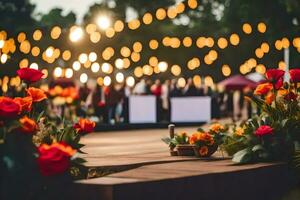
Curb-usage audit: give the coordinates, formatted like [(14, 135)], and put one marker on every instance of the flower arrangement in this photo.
[(61, 95), (274, 133), (31, 145)]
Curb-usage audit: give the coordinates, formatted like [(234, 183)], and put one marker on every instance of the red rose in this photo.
[(295, 75), (30, 75), (85, 126), (264, 130), (9, 109), (25, 102), (274, 75), (54, 159)]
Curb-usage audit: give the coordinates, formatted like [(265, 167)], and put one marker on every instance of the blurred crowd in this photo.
[(109, 104)]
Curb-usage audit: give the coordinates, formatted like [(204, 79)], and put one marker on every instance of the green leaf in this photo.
[(258, 147), (244, 156), (166, 140)]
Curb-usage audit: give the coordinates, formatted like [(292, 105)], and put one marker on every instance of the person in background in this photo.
[(111, 99), (190, 89), (148, 87), (84, 92), (174, 89), (98, 103), (120, 89), (140, 87), (156, 91), (165, 91)]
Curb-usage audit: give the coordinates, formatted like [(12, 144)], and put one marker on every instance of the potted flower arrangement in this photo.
[(180, 142), (33, 150), (272, 135)]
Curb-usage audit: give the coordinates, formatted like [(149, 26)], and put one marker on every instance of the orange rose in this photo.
[(26, 103), (263, 89), (216, 128), (85, 126), (36, 94), (270, 98), (28, 125), (203, 151), (239, 131)]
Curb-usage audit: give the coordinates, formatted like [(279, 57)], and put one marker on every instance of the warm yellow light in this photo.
[(153, 44), (76, 65), (119, 26), (130, 81), (110, 32), (34, 66), (21, 37), (91, 28), (234, 39), (119, 63), (162, 66), (285, 43), (25, 47), (83, 78), (135, 57), (24, 63), (66, 55), (69, 73), (197, 80), (200, 42), (119, 77), (187, 41), (296, 42), (175, 42), (261, 27), (3, 58), (260, 69), (76, 33), (192, 4), (147, 18), (35, 51), (222, 43), (58, 72), (137, 47), (134, 24), (92, 56), (126, 62), (147, 70), (106, 68), (180, 8), (2, 42), (265, 47), (138, 72), (247, 28), (153, 61), (49, 52), (213, 55), (181, 82), (55, 32), (259, 53), (166, 41), (282, 65), (172, 12), (95, 37), (278, 45), (176, 70), (100, 81), (37, 35), (83, 58), (125, 51), (45, 72), (161, 14), (226, 70), (103, 22), (95, 67), (208, 81), (107, 80)]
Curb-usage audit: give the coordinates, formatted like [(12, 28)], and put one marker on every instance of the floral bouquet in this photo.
[(272, 135), (32, 148)]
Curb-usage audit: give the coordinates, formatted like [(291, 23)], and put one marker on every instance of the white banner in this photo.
[(142, 109), (190, 109)]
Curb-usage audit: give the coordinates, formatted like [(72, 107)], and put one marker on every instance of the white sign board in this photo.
[(190, 109), (142, 109)]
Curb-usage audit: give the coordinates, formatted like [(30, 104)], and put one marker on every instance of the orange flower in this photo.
[(201, 137), (269, 98), (36, 94), (239, 131), (28, 125), (263, 89), (25, 102), (216, 128), (203, 151), (85, 126)]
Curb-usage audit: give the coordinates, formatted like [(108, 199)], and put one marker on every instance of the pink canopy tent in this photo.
[(237, 82)]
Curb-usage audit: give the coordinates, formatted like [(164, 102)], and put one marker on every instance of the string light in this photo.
[(76, 33), (69, 73), (107, 80), (95, 67), (83, 78), (247, 28), (76, 65), (130, 81), (58, 72), (119, 77), (103, 22)]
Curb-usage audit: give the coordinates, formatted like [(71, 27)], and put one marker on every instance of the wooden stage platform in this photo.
[(139, 167)]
